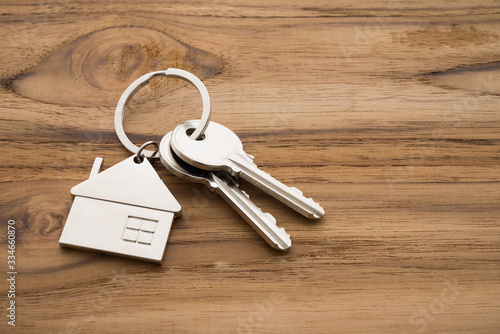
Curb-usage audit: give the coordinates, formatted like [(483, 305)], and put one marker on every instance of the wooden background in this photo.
[(385, 112)]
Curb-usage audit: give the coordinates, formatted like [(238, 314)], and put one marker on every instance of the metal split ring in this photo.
[(141, 82), (139, 157)]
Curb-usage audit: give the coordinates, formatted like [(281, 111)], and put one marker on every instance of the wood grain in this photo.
[(385, 112)]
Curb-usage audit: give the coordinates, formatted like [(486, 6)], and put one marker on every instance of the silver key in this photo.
[(225, 185), (221, 149)]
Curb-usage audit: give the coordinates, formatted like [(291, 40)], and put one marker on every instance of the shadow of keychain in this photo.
[(127, 210)]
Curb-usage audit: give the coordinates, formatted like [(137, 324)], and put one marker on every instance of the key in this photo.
[(226, 186), (221, 149)]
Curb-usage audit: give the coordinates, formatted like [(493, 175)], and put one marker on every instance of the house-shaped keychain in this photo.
[(125, 211)]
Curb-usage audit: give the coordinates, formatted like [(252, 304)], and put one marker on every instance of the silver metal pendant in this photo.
[(124, 211)]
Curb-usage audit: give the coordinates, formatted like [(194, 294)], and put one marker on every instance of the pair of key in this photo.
[(216, 159)]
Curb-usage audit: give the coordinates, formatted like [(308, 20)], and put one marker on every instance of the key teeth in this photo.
[(270, 217), (313, 201), (283, 232), (310, 198), (297, 191)]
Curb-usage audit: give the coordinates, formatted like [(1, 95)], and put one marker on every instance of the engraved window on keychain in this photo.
[(140, 230)]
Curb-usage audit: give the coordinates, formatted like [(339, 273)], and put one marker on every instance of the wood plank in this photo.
[(385, 112)]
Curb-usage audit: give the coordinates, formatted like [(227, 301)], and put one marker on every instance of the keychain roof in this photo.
[(131, 183)]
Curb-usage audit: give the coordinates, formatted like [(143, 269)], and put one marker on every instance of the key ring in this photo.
[(141, 82), (139, 157)]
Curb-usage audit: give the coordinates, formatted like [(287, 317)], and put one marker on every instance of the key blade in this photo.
[(263, 223), (243, 166)]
